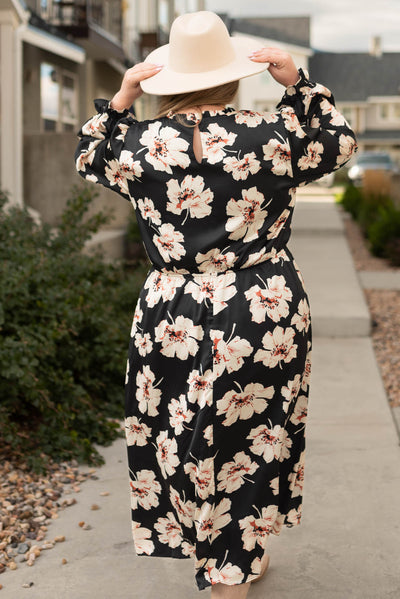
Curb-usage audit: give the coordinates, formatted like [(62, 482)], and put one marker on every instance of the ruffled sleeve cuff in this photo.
[(305, 97), (103, 106)]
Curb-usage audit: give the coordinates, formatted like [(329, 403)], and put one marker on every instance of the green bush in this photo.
[(351, 200), (384, 232), (379, 220), (64, 330)]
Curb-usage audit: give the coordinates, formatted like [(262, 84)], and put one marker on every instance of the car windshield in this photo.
[(374, 159)]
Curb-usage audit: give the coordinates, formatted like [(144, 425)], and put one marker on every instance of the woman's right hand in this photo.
[(130, 86), (281, 64)]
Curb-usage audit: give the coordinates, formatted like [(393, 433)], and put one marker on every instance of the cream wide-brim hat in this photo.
[(200, 54)]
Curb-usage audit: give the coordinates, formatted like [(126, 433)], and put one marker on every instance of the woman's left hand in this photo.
[(281, 64)]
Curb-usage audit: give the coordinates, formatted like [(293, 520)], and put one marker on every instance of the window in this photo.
[(396, 108), (58, 96), (383, 111), (347, 112), (49, 96)]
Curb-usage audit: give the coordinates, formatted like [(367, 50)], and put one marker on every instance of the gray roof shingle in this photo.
[(353, 77), (291, 30)]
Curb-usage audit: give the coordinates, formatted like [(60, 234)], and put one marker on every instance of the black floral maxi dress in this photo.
[(219, 359)]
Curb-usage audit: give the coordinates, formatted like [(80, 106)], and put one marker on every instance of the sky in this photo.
[(337, 25)]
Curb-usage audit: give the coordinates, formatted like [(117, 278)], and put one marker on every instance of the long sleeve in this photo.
[(100, 155), (320, 139)]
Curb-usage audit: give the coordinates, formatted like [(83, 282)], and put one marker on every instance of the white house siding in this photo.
[(262, 92)]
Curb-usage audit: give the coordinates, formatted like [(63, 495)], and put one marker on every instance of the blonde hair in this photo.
[(222, 94)]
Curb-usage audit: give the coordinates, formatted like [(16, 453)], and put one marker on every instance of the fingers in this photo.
[(275, 56), (142, 71)]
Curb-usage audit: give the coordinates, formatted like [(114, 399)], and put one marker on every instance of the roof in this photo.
[(379, 134), (291, 30), (354, 77)]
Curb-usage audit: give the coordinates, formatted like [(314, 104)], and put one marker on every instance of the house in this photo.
[(292, 34), (57, 56), (366, 88)]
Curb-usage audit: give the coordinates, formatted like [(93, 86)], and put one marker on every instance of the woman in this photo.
[(219, 359)]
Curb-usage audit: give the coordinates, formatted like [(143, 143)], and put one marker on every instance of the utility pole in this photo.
[(201, 4)]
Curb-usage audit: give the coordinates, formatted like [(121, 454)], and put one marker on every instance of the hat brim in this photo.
[(168, 81)]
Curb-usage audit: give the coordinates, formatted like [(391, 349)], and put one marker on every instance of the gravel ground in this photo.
[(28, 504), (384, 306)]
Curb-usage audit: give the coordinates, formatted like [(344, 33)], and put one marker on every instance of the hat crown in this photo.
[(199, 42)]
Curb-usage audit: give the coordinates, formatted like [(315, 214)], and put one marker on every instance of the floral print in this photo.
[(219, 363)]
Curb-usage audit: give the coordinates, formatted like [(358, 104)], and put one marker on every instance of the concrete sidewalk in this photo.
[(347, 546)]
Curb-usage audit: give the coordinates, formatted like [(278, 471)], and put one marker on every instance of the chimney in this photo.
[(376, 46)]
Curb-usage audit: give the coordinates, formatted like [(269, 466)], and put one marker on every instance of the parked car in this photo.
[(371, 161)]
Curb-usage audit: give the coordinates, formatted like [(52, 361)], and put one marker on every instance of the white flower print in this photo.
[(249, 118), (188, 549), (148, 211), (136, 432), (208, 434), (313, 157), (296, 478), (123, 128), (272, 443), (347, 146), (336, 118), (278, 225), (280, 154), (307, 369), (228, 354), (271, 301), (184, 510), (147, 395), (294, 516), (242, 168), (200, 387), (137, 318), (87, 156), (179, 338), (270, 117), (190, 196), (170, 531), (143, 343), (130, 167), (95, 127), (301, 320), (214, 141), (300, 411), (144, 490), (244, 403), (246, 215), (179, 414), (210, 519), (215, 260), (292, 123), (127, 372), (165, 148), (218, 289), (274, 484), (166, 454), (168, 243), (202, 476), (256, 530), (233, 474), (116, 175), (141, 538), (161, 286), (278, 346), (290, 392), (226, 574)]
